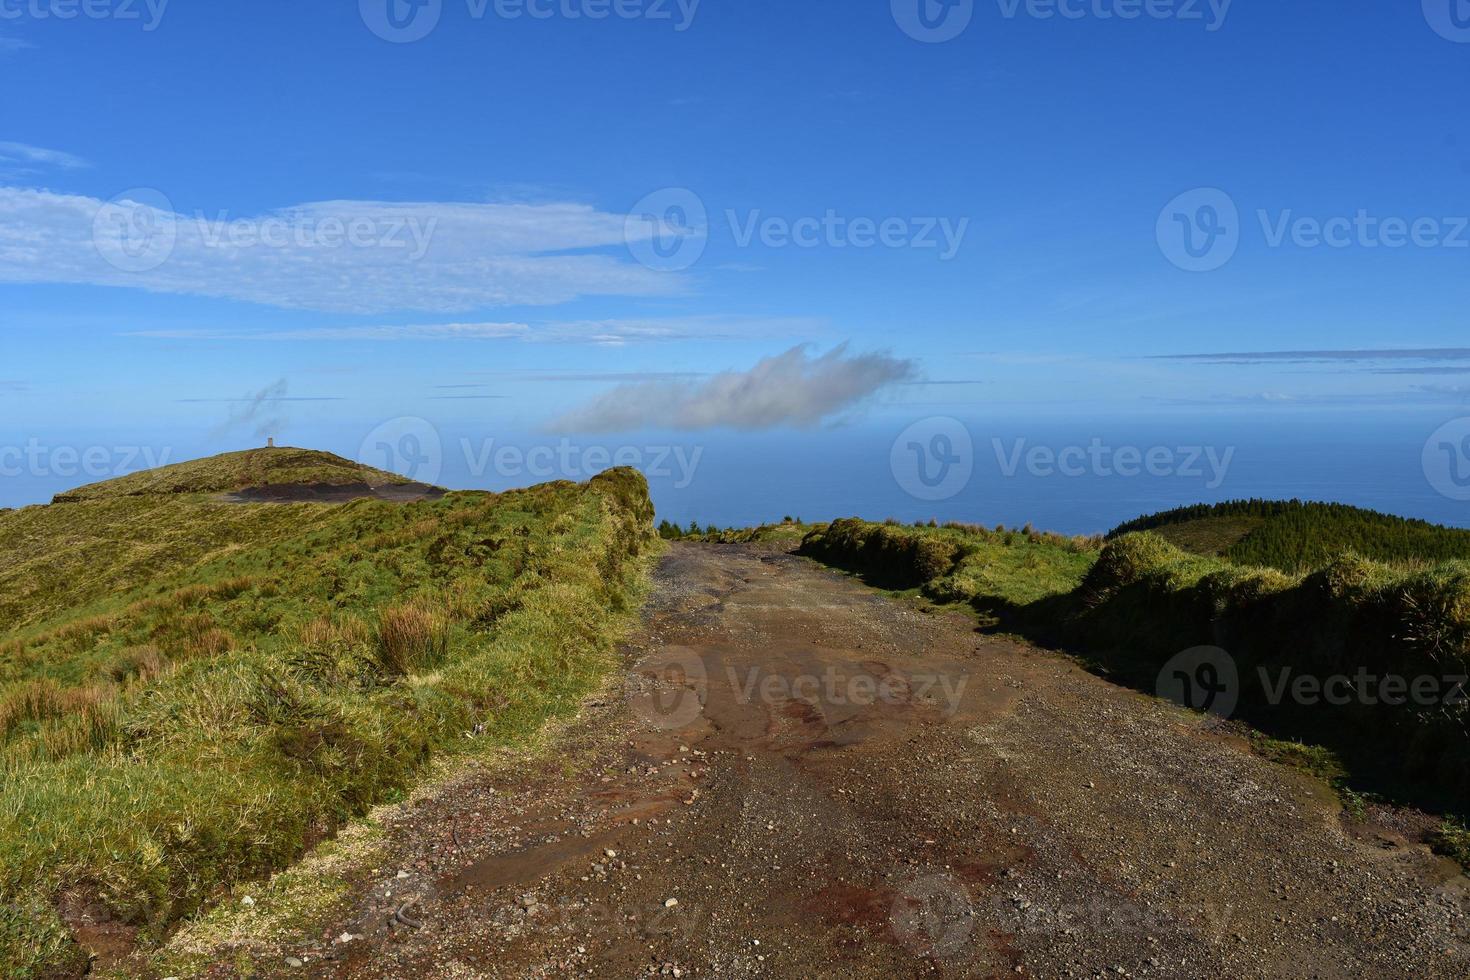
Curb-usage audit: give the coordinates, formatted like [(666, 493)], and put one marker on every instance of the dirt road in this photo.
[(808, 779)]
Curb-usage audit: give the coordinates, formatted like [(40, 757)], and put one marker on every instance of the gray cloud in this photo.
[(789, 389), (261, 409)]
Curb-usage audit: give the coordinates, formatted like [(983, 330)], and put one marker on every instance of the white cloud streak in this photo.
[(23, 153), (359, 257), (792, 389), (609, 333)]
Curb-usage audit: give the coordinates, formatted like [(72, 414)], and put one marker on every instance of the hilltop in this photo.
[(251, 471), (1297, 536)]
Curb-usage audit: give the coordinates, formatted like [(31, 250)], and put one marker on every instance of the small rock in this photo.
[(671, 903), (294, 963)]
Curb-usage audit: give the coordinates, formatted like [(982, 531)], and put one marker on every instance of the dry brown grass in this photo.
[(35, 700), (137, 664), (411, 637)]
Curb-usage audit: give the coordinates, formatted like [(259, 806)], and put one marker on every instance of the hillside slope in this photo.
[(1297, 536), (191, 691)]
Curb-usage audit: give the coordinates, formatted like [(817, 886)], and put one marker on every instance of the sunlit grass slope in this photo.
[(1297, 536), (192, 691)]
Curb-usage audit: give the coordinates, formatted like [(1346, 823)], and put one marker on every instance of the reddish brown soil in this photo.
[(328, 493)]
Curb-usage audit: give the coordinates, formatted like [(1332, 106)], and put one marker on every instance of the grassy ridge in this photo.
[(218, 705), (1137, 602), (1295, 536)]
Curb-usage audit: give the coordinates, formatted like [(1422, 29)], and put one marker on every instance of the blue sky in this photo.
[(1025, 170)]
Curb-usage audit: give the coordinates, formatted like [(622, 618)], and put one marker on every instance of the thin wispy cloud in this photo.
[(359, 257), (957, 381), (554, 377), (1308, 356), (621, 332), (1422, 370), (439, 331), (607, 333), (25, 154), (790, 389)]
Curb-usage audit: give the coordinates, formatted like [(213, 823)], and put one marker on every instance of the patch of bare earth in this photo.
[(334, 493), (803, 778)]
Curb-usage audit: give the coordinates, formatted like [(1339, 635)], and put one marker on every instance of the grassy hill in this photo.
[(192, 690), (1295, 536), (233, 472)]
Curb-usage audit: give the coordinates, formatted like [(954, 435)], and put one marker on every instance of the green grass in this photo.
[(201, 690), (1211, 536), (237, 471), (1453, 841), (1294, 536), (992, 569), (790, 531)]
